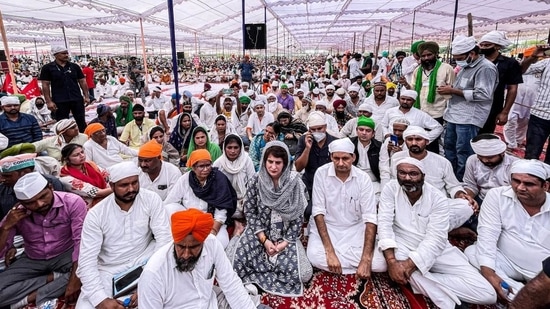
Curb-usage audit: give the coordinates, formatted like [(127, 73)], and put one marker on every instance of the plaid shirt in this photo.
[(541, 108)]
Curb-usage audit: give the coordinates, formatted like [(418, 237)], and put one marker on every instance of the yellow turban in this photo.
[(391, 85), (92, 128), (197, 155), (151, 149), (191, 221)]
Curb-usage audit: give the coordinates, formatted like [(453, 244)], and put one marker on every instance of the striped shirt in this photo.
[(541, 108), (24, 130)]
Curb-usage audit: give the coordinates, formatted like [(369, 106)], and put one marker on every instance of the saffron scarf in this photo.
[(432, 87)]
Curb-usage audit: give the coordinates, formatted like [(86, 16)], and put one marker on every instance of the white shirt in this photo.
[(479, 178), (506, 226), (156, 104), (208, 115), (104, 91), (378, 112), (114, 241), (332, 125), (439, 172), (385, 161), (363, 161), (258, 125), (347, 206), (162, 285), (181, 193), (408, 65), (421, 228), (416, 117), (166, 179), (110, 156)]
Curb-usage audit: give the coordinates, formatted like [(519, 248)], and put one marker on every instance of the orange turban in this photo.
[(191, 221), (92, 128), (529, 51), (151, 149), (197, 155)]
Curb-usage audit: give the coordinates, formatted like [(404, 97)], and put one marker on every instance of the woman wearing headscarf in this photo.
[(182, 135), (220, 130), (238, 167), (271, 132), (83, 178), (269, 254), (210, 192), (66, 131), (39, 110), (169, 153), (200, 140)]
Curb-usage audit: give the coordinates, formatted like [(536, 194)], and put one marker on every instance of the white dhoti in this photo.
[(507, 270), (450, 280)]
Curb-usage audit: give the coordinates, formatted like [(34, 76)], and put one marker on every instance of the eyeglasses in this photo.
[(412, 174), (203, 167)]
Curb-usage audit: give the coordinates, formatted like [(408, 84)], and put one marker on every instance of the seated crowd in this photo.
[(206, 200)]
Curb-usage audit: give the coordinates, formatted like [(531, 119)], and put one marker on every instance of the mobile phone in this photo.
[(227, 91), (394, 139)]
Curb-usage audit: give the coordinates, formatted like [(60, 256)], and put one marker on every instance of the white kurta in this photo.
[(208, 115), (419, 232), (114, 241), (507, 232), (110, 156), (416, 117), (258, 125), (479, 178), (166, 179), (378, 112), (162, 285), (347, 207), (385, 162), (181, 197)]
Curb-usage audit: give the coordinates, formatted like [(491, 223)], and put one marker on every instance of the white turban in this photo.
[(365, 107), (210, 94), (321, 103), (316, 119), (330, 87), (316, 91), (157, 89), (10, 100), (354, 88), (412, 161), (275, 84), (29, 186), (341, 91), (462, 44), (244, 84), (341, 145), (489, 147), (496, 37), (63, 124), (531, 167), (122, 170), (299, 90), (250, 93), (271, 95), (415, 130), (58, 48), (258, 102), (409, 93)]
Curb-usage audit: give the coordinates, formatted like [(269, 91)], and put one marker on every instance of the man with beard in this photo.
[(344, 208), (413, 220), (509, 76), (182, 274), (489, 167), (50, 223), (120, 234), (431, 74), (156, 175), (415, 116), (104, 150), (353, 100), (340, 114), (513, 230), (136, 130), (330, 95), (286, 99), (391, 146), (380, 102), (349, 129), (438, 173), (63, 84), (16, 126)]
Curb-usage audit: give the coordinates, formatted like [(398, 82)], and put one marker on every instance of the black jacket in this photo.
[(373, 153)]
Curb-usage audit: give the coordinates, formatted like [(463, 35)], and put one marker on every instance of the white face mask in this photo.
[(319, 136), (463, 63)]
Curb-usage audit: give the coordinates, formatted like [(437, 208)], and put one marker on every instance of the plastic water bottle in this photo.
[(126, 302)]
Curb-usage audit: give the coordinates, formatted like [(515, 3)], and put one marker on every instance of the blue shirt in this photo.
[(24, 130)]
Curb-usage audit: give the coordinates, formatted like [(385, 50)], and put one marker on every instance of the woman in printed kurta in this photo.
[(269, 254), (82, 177)]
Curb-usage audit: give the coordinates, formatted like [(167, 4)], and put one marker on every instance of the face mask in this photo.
[(463, 63), (318, 136), (487, 51)]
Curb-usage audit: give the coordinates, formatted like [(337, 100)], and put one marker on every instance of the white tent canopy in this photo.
[(294, 26)]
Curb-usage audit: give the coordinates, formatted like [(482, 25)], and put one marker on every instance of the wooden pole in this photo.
[(378, 44), (470, 25), (7, 49)]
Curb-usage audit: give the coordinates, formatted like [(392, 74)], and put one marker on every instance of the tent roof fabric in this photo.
[(297, 24)]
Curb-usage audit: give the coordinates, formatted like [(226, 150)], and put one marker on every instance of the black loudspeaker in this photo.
[(255, 36), (180, 55), (3, 56)]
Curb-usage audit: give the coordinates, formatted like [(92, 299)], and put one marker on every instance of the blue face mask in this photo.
[(463, 63)]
